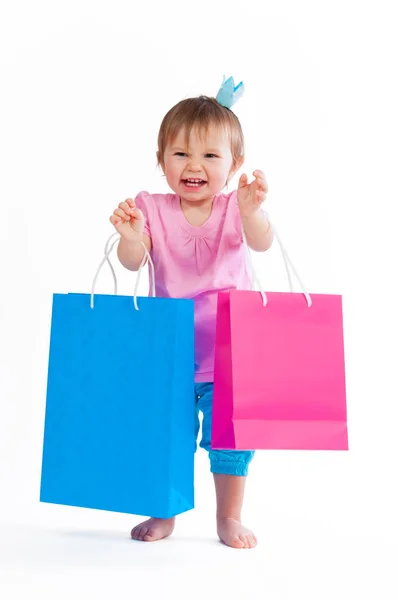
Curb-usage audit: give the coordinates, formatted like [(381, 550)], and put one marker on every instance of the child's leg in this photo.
[(229, 492), (229, 468)]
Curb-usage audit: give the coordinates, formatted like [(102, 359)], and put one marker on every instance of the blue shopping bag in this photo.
[(120, 417)]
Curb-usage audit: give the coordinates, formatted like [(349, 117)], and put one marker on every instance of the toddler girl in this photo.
[(194, 236)]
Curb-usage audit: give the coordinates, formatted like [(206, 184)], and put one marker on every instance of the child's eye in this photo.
[(209, 155)]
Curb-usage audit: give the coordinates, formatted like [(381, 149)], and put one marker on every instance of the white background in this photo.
[(84, 86)]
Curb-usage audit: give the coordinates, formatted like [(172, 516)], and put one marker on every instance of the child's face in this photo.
[(207, 159)]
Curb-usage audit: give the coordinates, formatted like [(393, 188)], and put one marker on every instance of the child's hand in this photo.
[(251, 196), (129, 221)]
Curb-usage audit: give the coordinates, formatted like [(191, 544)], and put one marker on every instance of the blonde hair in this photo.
[(200, 112)]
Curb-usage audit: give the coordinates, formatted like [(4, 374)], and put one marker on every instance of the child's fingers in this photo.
[(242, 180), (260, 178), (115, 220), (127, 207), (123, 214), (263, 186)]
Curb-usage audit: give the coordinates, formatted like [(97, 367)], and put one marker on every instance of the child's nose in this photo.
[(195, 165)]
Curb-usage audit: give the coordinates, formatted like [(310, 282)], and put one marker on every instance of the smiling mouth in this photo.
[(193, 182)]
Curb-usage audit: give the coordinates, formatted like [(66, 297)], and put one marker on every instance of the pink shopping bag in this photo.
[(279, 380)]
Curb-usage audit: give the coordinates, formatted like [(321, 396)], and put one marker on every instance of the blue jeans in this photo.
[(227, 462)]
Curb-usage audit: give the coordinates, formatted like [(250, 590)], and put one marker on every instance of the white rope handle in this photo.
[(288, 265), (151, 271), (108, 249)]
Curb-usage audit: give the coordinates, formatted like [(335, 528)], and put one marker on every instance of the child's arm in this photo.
[(131, 254), (129, 221), (258, 231), (255, 223)]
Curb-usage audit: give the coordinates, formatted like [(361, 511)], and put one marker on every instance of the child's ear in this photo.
[(239, 163), (160, 162), (235, 168)]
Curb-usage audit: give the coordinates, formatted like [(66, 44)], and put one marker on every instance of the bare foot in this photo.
[(153, 530), (232, 533)]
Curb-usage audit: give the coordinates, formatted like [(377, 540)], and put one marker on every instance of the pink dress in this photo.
[(196, 262)]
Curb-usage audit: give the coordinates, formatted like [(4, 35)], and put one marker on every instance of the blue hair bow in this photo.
[(228, 94)]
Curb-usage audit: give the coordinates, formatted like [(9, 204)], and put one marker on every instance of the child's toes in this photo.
[(245, 541), (149, 536), (138, 532), (143, 533), (238, 542)]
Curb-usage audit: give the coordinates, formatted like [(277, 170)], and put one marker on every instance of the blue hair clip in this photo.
[(228, 94)]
